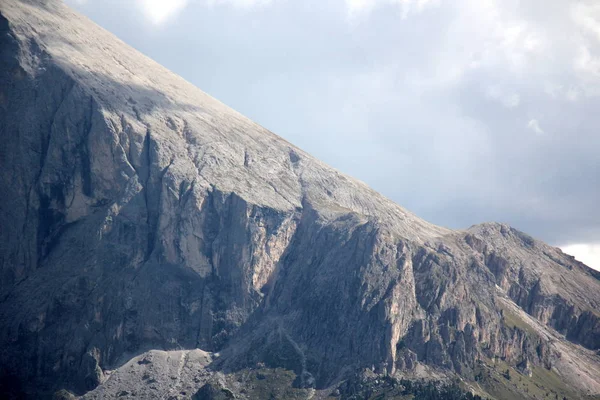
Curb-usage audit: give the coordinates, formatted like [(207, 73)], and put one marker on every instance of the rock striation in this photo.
[(139, 215)]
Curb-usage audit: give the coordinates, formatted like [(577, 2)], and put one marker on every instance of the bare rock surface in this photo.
[(156, 374), (144, 226)]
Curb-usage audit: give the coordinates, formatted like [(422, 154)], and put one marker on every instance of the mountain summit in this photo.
[(155, 243)]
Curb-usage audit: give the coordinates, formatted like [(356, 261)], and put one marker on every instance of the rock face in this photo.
[(138, 213)]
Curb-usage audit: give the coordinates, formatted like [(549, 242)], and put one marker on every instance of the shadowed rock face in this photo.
[(138, 213)]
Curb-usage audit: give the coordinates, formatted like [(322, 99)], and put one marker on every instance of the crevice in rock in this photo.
[(86, 174), (145, 174)]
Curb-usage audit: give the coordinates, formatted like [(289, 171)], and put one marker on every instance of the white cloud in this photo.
[(506, 98), (572, 93), (534, 125), (159, 11), (356, 7), (589, 254), (587, 17), (586, 37), (587, 64), (238, 3)]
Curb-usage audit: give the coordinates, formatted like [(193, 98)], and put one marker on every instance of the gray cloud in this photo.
[(462, 111)]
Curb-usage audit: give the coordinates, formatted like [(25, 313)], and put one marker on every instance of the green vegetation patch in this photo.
[(268, 383), (380, 388), (513, 321), (503, 382)]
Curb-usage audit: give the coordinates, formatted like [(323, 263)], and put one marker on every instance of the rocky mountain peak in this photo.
[(178, 244)]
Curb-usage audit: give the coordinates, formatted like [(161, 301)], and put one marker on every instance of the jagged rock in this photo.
[(139, 213), (407, 360), (212, 391), (523, 368), (63, 395)]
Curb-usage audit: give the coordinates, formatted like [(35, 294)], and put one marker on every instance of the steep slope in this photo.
[(139, 213)]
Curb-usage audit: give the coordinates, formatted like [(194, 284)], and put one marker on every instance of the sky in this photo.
[(462, 111)]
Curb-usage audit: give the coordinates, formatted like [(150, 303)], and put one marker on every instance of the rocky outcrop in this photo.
[(139, 213), (211, 391), (157, 374), (547, 284)]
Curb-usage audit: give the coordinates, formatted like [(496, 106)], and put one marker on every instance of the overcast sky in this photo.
[(462, 111)]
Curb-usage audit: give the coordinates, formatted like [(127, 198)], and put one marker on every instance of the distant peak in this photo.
[(495, 229)]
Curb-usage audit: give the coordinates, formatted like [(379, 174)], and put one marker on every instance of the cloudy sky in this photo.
[(463, 111)]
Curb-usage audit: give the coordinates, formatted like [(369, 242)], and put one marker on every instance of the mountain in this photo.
[(156, 244)]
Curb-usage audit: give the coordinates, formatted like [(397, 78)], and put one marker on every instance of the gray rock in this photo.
[(139, 213), (212, 391)]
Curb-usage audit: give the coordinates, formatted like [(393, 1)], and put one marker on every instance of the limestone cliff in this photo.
[(138, 213)]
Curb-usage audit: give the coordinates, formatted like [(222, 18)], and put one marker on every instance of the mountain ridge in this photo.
[(140, 214), (149, 99)]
